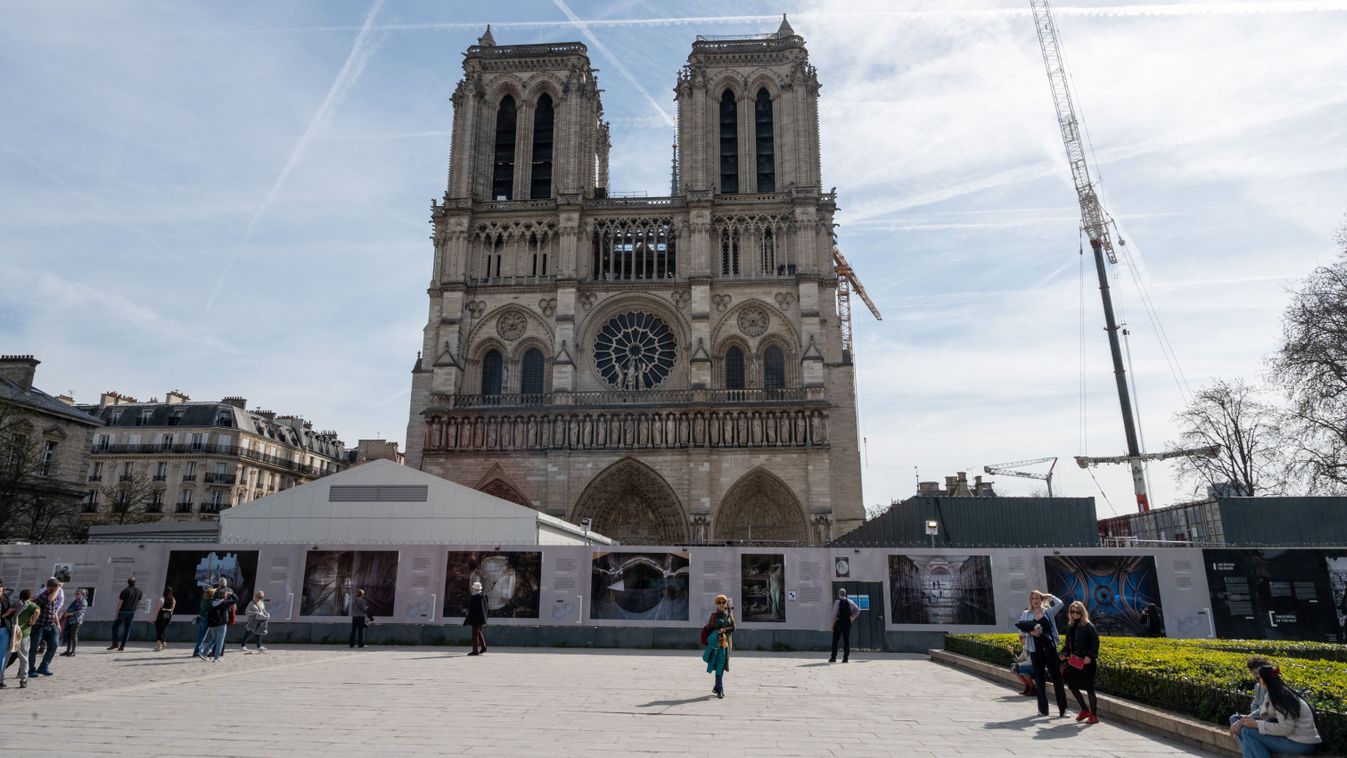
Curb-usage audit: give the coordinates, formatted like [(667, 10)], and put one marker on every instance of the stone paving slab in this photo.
[(531, 701)]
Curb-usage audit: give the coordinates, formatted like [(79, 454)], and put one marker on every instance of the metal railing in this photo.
[(212, 478), (209, 449)]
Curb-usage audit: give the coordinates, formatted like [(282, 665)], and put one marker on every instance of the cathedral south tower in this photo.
[(669, 368)]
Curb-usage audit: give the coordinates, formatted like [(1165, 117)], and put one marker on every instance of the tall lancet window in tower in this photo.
[(734, 369), (773, 368), (531, 373), (502, 179), (491, 373), (729, 144), (541, 183), (762, 129)]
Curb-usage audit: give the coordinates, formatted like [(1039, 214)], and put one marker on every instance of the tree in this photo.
[(129, 498), (1249, 432), (1311, 366), (32, 507)]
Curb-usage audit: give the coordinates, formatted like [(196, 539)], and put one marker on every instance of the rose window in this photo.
[(634, 351)]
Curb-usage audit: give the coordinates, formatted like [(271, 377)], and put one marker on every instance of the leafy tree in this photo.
[(1311, 366), (129, 498), (32, 509), (1249, 433)]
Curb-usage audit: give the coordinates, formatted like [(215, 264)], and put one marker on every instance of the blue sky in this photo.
[(233, 199)]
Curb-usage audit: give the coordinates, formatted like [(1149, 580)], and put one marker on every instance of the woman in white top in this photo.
[(257, 617), (1284, 724), (1041, 643)]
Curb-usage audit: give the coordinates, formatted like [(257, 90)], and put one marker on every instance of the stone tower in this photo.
[(669, 368)]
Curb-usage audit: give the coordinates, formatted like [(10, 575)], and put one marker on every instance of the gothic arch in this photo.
[(498, 483), (545, 84), (761, 508), (779, 327), (633, 504), (762, 79), (506, 84)]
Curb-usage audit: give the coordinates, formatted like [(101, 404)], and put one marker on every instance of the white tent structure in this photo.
[(382, 502)]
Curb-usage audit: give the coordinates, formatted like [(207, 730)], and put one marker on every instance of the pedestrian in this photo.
[(73, 618), (1253, 664), (476, 618), (217, 617), (23, 626), (257, 617), (719, 634), (167, 605), (127, 602), (46, 631), (8, 610), (203, 623), (1038, 622), (1284, 723), (1081, 652), (360, 618), (1153, 620), (222, 583), (1022, 667), (845, 611)]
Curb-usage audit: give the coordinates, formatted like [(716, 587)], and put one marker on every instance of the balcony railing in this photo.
[(623, 398), (220, 478), (189, 478), (183, 508), (154, 508), (161, 477), (95, 477), (124, 478), (212, 449), (213, 507)]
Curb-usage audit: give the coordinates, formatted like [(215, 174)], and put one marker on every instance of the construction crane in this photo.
[(846, 282), (1099, 228), (1012, 469)]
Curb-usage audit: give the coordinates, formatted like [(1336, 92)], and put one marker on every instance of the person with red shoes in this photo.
[(1079, 656)]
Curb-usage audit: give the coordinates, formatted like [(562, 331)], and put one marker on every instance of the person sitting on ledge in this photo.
[(1284, 724)]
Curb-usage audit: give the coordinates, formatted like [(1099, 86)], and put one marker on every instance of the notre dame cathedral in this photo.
[(670, 368)]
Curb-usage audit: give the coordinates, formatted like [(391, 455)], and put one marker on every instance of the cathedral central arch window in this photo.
[(491, 373), (734, 369), (635, 351), (773, 368)]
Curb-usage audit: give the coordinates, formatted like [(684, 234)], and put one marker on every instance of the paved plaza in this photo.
[(530, 701)]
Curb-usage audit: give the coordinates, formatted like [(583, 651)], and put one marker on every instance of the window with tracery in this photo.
[(734, 369), (729, 252), (729, 144), (491, 373), (635, 351), (773, 368), (502, 177), (762, 129), (541, 181), (531, 372)]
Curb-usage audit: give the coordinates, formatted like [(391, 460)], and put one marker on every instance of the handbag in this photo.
[(1075, 661), (706, 634)]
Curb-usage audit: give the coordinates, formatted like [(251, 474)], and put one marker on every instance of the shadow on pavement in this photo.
[(658, 703), (1018, 724)]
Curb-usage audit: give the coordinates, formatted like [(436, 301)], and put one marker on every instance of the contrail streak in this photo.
[(1282, 7), (361, 52), (615, 60)]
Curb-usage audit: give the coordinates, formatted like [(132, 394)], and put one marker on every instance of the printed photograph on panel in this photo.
[(639, 586), (190, 572), (1336, 563), (1272, 595), (62, 572), (510, 581), (941, 589), (331, 578), (762, 588), (1116, 590)]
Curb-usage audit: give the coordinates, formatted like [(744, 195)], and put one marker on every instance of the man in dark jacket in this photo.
[(127, 602), (844, 612), (360, 618)]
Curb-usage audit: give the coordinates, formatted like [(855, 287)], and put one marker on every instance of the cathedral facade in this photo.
[(668, 368)]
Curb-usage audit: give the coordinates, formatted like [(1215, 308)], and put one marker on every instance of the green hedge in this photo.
[(1204, 679)]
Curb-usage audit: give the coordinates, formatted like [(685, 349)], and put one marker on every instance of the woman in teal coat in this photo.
[(719, 632)]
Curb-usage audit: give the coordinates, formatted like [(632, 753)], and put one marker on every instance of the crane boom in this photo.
[(1011, 469), (1094, 221), (1210, 451), (846, 282)]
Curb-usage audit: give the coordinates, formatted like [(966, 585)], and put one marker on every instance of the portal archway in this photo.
[(631, 503), (761, 508)]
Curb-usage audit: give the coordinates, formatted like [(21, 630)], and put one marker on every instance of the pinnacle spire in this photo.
[(486, 40), (784, 30)]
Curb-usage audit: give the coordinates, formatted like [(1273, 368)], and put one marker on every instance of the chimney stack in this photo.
[(237, 402), (174, 397), (19, 369)]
